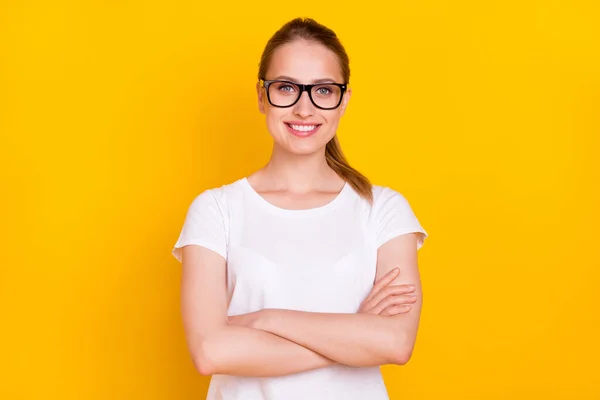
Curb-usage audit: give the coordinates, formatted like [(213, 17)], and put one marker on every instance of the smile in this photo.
[(302, 130)]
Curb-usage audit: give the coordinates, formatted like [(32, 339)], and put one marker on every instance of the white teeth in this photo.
[(303, 128)]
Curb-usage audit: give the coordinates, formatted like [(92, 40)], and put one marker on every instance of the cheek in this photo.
[(273, 119), (333, 121)]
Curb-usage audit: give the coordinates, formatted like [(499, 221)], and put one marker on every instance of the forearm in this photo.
[(352, 339), (245, 351)]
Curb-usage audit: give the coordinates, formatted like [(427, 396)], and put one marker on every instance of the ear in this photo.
[(261, 98), (345, 101)]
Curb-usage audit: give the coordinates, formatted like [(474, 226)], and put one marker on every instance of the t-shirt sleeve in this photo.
[(204, 225), (394, 217)]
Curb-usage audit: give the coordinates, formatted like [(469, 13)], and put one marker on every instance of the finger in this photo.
[(393, 290), (383, 282), (395, 310), (394, 301)]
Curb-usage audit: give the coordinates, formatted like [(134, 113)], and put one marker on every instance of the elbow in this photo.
[(202, 359), (203, 367), (402, 356), (402, 350)]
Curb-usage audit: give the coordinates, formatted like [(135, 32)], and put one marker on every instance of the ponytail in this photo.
[(337, 161)]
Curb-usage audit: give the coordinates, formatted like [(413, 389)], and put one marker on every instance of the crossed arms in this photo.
[(275, 342)]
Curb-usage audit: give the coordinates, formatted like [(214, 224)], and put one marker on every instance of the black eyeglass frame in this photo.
[(304, 87)]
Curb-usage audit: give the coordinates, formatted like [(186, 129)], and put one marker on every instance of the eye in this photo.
[(323, 90), (286, 88)]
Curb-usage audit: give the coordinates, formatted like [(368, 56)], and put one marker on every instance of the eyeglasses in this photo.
[(326, 96)]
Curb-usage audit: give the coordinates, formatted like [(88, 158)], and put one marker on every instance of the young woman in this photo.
[(301, 279)]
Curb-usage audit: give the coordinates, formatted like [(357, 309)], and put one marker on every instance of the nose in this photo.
[(304, 107)]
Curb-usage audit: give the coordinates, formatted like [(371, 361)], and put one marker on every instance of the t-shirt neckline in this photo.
[(261, 201)]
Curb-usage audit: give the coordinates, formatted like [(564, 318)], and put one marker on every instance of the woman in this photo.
[(301, 279)]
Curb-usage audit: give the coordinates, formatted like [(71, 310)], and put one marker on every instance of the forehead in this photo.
[(304, 61)]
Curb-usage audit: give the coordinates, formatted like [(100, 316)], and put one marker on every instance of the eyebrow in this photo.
[(288, 78)]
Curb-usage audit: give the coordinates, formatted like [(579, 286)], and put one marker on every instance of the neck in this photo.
[(299, 173)]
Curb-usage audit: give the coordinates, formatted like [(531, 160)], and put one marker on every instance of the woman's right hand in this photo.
[(387, 300)]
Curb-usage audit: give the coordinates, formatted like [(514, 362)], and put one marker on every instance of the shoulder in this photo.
[(385, 196), (222, 193), (207, 220), (217, 198), (393, 215)]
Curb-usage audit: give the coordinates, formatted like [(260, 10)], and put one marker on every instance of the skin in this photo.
[(275, 342)]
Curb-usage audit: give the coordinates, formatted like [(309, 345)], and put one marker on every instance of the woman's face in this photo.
[(302, 62)]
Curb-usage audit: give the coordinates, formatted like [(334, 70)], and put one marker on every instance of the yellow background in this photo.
[(115, 114)]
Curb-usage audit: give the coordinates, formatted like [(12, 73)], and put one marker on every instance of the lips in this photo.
[(303, 129)]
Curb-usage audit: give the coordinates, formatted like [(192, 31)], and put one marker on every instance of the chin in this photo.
[(304, 146), (304, 150)]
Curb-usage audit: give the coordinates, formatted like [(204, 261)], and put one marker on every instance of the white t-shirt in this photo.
[(319, 260)]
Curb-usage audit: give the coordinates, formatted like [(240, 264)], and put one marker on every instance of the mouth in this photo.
[(302, 130)]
